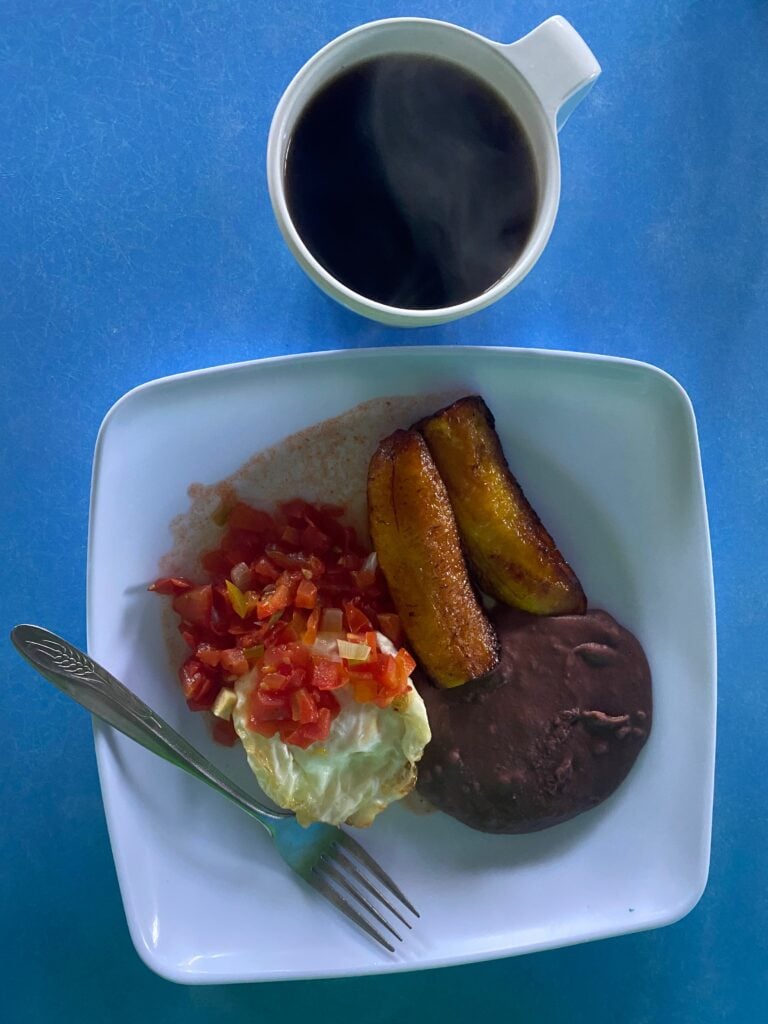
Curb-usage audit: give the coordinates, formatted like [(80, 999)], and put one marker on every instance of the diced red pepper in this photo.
[(372, 642), (310, 635), (277, 682), (405, 662), (234, 662), (306, 594), (171, 585), (325, 699), (357, 620), (267, 729), (208, 654), (297, 678), (188, 636), (280, 634), (295, 510), (287, 728), (317, 732), (281, 582), (363, 687), (265, 569), (215, 562), (295, 560), (291, 578), (235, 547), (327, 524), (313, 732), (268, 707), (224, 732), (303, 707), (198, 686), (291, 536), (252, 637), (388, 674), (292, 656), (364, 578), (276, 601), (327, 674), (273, 682), (314, 540), (243, 517), (194, 606)]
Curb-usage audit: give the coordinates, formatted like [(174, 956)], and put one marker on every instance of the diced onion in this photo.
[(240, 575), (353, 652), (224, 704), (332, 620), (371, 563), (325, 645)]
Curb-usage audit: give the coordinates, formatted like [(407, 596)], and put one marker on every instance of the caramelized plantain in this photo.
[(417, 543), (513, 557)]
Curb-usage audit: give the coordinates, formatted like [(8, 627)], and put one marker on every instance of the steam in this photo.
[(459, 171)]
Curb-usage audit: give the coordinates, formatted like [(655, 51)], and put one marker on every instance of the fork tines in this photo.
[(343, 871)]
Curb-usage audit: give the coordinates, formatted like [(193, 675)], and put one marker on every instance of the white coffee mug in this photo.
[(542, 77)]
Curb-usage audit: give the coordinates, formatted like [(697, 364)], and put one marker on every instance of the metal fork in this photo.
[(326, 857)]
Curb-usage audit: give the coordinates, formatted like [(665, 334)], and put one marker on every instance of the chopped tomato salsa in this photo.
[(276, 584)]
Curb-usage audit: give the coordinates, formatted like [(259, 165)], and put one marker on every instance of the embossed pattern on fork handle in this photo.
[(86, 682)]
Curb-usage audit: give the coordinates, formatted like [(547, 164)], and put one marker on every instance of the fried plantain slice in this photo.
[(414, 532), (513, 557)]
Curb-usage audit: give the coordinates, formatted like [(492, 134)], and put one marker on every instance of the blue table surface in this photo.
[(136, 240)]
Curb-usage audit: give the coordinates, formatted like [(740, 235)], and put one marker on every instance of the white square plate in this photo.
[(607, 452)]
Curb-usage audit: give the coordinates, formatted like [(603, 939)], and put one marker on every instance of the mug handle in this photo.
[(558, 64)]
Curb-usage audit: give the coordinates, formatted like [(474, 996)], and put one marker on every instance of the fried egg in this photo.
[(368, 760)]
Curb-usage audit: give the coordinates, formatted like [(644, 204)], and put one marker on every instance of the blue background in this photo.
[(136, 240)]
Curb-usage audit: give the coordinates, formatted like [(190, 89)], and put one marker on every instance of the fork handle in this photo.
[(89, 684)]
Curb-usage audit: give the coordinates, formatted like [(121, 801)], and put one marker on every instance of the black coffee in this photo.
[(411, 181)]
